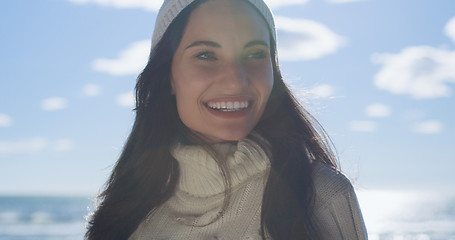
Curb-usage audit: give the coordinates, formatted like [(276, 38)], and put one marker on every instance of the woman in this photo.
[(220, 149)]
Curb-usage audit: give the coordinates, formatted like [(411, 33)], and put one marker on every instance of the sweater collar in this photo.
[(200, 175)]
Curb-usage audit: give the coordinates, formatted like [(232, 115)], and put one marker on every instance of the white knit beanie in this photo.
[(171, 8)]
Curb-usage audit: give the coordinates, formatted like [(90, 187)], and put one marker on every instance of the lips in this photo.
[(228, 106)]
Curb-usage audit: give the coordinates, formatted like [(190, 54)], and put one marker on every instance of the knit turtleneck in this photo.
[(193, 212), (200, 174)]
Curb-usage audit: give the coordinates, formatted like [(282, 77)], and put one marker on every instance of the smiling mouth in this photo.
[(228, 106)]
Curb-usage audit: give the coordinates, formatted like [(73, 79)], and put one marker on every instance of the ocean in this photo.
[(43, 218), (409, 214), (389, 215)]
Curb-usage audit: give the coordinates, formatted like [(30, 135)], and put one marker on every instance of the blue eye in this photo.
[(206, 56)]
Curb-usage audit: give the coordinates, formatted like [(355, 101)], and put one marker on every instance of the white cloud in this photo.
[(279, 3), (450, 29), (62, 145), (130, 61), (343, 1), (322, 91), (23, 146), (377, 110), (91, 90), (421, 71), (149, 5), (302, 39), (428, 127), (5, 120), (126, 100), (34, 145), (154, 5), (362, 126), (54, 103)]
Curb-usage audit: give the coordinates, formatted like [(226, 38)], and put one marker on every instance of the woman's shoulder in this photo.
[(336, 208), (329, 183)]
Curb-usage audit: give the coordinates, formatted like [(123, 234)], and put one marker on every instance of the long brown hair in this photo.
[(146, 174)]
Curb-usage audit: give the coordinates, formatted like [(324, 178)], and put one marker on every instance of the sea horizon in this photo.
[(389, 214)]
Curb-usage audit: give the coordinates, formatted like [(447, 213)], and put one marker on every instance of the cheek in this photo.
[(188, 78), (187, 107), (263, 81), (187, 94)]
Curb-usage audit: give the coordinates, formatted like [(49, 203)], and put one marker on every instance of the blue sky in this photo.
[(378, 74)]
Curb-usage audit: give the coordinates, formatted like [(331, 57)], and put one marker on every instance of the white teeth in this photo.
[(228, 106)]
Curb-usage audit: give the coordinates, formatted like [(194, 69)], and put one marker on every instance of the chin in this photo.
[(227, 136), (234, 135)]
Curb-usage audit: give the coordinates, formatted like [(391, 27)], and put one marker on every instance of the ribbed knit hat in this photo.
[(171, 8)]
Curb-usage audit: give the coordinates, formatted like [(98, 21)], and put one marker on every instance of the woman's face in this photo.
[(222, 72)]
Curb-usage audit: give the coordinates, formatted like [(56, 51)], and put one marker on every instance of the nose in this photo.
[(235, 77)]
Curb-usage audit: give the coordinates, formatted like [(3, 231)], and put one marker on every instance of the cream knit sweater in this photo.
[(193, 211)]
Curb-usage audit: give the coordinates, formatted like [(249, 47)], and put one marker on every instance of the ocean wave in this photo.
[(35, 218), (37, 229), (9, 217), (42, 210)]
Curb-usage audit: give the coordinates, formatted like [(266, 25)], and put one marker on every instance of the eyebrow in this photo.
[(204, 43), (217, 45), (256, 42)]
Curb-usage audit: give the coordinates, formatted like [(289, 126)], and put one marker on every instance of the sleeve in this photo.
[(337, 212)]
